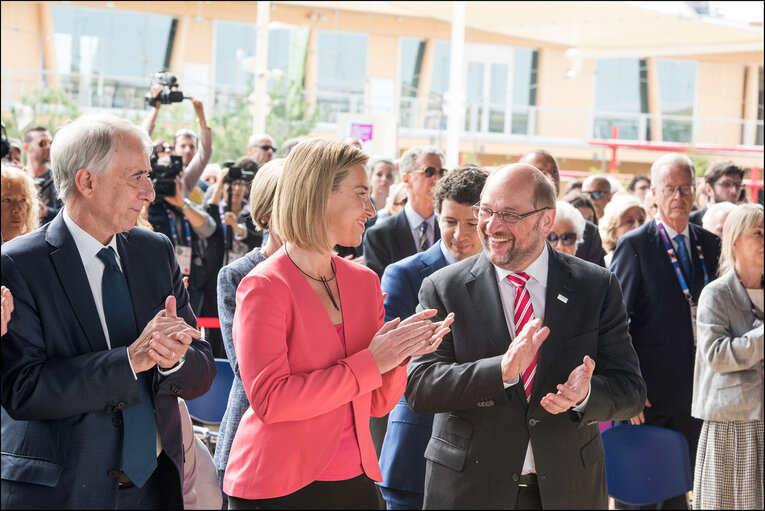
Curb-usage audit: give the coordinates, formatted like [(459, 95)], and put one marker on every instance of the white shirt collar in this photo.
[(415, 219), (672, 233), (450, 259), (536, 270), (86, 244)]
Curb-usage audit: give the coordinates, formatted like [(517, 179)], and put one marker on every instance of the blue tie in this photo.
[(139, 452), (682, 255)]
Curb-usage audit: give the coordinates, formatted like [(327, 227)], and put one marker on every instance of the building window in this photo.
[(235, 42), (524, 88), (677, 90), (411, 52), (111, 54), (342, 72), (621, 98)]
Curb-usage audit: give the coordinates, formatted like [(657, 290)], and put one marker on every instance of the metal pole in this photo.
[(261, 68), (456, 98)]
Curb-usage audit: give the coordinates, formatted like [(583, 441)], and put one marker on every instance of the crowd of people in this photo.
[(457, 336)]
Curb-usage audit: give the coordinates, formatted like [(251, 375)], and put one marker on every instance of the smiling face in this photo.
[(116, 197), (349, 208), (459, 229), (513, 246), (14, 209)]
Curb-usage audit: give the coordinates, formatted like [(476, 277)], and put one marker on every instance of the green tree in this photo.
[(50, 108)]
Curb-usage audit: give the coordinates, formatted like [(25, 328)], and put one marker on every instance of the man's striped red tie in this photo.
[(522, 314)]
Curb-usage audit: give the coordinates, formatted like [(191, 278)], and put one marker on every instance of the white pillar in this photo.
[(261, 69), (456, 95)]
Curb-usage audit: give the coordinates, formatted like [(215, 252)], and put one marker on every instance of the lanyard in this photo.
[(676, 265), (174, 233)]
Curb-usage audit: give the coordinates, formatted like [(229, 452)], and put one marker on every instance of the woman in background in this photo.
[(623, 214), (381, 177), (728, 376), (568, 229), (20, 204)]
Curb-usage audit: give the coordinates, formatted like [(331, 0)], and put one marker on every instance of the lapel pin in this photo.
[(562, 298)]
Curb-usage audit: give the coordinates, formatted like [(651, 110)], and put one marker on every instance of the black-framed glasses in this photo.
[(431, 171), (596, 194), (483, 213), (567, 238), (669, 191), (266, 147)]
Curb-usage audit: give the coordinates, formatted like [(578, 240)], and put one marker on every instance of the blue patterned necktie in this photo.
[(682, 256), (139, 451), (423, 232)]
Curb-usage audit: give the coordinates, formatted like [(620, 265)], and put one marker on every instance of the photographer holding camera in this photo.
[(186, 224), (195, 150)]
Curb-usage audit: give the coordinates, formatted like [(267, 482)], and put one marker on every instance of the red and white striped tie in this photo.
[(522, 314)]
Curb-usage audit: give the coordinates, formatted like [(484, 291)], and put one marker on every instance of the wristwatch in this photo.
[(186, 205)]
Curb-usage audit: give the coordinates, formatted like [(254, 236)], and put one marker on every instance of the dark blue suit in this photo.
[(402, 460), (660, 323), (63, 390)]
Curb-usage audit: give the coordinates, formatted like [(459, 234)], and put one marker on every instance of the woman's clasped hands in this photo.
[(398, 340)]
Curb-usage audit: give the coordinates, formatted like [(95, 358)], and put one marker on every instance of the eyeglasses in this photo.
[(431, 171), (597, 194), (484, 214), (729, 184), (567, 238), (44, 142), (669, 191), (267, 147)]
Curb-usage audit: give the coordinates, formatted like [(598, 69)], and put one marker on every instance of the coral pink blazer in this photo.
[(298, 379)]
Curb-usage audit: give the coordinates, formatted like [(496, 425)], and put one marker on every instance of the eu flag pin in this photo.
[(562, 298)]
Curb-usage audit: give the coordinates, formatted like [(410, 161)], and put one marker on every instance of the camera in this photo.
[(240, 172), (170, 92), (163, 176)]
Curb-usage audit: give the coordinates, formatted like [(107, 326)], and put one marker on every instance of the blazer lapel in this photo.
[(698, 272), (68, 263), (432, 260), (402, 236), (559, 283), (481, 285)]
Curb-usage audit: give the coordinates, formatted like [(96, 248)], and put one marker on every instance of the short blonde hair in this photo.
[(12, 175), (740, 220), (313, 170), (262, 192), (612, 217)]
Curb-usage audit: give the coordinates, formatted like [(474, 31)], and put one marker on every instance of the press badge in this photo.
[(183, 256)]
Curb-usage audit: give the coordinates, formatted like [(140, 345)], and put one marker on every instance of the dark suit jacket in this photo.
[(481, 431), (591, 249), (390, 240), (62, 389), (401, 461), (698, 215), (660, 320)]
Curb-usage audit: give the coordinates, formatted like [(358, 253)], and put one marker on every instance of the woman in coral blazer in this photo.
[(314, 354)]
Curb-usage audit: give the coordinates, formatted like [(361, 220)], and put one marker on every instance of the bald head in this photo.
[(525, 178), (546, 163)]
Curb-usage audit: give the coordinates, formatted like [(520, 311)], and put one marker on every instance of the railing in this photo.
[(418, 117)]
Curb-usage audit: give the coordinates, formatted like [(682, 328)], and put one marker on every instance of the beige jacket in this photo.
[(728, 377)]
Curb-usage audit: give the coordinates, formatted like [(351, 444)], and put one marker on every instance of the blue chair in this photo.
[(210, 407), (646, 464)]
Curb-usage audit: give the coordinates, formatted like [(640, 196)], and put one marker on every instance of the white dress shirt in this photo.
[(687, 238), (537, 288)]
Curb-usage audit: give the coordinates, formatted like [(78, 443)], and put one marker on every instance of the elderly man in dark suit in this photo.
[(413, 229), (517, 403), (401, 461), (96, 355), (662, 267), (591, 249)]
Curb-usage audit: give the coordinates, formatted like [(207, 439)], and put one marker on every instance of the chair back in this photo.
[(646, 464), (210, 407)]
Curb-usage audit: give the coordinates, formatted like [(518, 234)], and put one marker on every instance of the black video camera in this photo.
[(170, 92), (163, 176), (238, 173)]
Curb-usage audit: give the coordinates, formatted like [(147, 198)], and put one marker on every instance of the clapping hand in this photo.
[(416, 335), (574, 391)]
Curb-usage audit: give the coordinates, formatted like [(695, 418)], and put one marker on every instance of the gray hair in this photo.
[(410, 157), (669, 160), (260, 136), (566, 211), (379, 159), (714, 212), (89, 143), (185, 132)]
